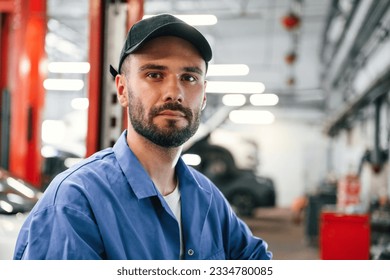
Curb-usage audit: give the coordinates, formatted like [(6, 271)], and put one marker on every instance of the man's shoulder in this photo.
[(100, 165), (100, 159), (84, 180)]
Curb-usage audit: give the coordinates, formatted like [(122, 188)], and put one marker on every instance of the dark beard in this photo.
[(169, 136)]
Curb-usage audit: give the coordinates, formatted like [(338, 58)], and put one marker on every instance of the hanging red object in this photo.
[(290, 58), (291, 21), (290, 81)]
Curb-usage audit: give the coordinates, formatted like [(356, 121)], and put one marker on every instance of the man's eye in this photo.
[(189, 78), (154, 75)]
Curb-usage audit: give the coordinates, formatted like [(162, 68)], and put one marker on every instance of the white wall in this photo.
[(294, 154), (291, 152)]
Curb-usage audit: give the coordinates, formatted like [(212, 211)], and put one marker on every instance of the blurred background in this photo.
[(296, 131)]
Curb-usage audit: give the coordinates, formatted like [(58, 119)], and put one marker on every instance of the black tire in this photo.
[(243, 203)]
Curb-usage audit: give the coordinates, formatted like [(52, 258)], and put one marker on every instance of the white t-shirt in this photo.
[(173, 201)]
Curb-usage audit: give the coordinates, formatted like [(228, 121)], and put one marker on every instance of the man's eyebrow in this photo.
[(193, 69), (151, 66)]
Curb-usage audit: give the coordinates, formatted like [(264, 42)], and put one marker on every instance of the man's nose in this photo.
[(173, 91)]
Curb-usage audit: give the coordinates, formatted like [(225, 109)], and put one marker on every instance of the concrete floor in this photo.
[(286, 239)]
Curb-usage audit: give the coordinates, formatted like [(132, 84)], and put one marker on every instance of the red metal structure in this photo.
[(98, 105), (95, 74), (25, 29), (23, 70)]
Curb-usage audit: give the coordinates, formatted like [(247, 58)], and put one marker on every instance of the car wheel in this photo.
[(242, 203)]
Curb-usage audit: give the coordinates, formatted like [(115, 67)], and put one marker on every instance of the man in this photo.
[(138, 200)]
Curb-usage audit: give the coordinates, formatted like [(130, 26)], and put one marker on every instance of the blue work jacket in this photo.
[(107, 207)]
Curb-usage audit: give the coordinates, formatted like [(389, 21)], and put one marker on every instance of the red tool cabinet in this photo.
[(344, 236)]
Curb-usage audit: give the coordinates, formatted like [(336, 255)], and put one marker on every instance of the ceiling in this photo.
[(251, 32), (248, 32)]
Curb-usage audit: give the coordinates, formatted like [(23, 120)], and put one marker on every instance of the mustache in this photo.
[(173, 107)]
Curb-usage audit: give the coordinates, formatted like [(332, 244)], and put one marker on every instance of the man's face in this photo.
[(165, 90)]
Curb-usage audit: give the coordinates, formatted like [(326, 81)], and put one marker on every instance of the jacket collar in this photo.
[(136, 175)]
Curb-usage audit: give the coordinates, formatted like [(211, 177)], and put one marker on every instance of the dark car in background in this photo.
[(243, 188), (56, 160)]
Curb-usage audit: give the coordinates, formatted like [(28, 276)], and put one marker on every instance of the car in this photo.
[(243, 188), (56, 160), (17, 198)]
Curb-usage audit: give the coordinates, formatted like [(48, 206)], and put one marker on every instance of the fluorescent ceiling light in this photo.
[(69, 162), (63, 84), (62, 45), (192, 159), (235, 87), (53, 131), (264, 99), (195, 20), (20, 187), (228, 70), (49, 151), (234, 99), (81, 103), (251, 117), (69, 67), (6, 206), (15, 198)]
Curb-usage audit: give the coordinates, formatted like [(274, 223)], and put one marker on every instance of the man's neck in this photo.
[(159, 162)]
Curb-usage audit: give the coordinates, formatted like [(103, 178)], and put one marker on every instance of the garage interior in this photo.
[(300, 148)]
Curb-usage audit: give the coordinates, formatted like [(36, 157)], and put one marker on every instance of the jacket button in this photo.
[(190, 252)]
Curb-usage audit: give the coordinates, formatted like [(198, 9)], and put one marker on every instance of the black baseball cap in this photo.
[(157, 26)]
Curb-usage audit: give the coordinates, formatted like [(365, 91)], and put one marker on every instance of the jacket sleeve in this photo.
[(242, 244), (60, 226), (57, 233)]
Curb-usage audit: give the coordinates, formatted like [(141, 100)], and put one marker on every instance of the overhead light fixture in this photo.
[(48, 151), (235, 87), (80, 103), (195, 20), (69, 67), (264, 99), (69, 162), (62, 45), (6, 206), (234, 99), (251, 117), (20, 187), (53, 131), (227, 70), (192, 159), (63, 84)]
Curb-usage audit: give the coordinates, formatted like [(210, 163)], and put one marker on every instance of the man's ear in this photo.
[(204, 103), (121, 90), (204, 96)]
